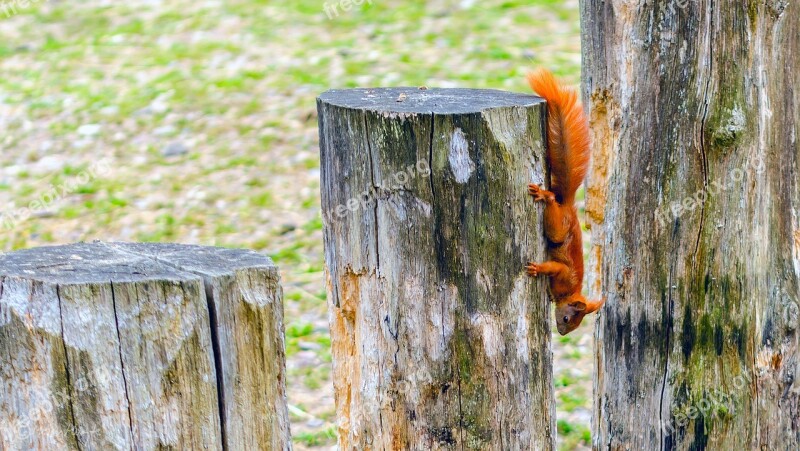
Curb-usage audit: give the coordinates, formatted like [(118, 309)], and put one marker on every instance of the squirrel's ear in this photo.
[(579, 306), (578, 303), (594, 306)]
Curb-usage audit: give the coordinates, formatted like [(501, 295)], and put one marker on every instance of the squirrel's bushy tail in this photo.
[(567, 135)]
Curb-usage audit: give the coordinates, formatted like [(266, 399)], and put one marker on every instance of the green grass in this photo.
[(235, 82), (573, 399), (573, 435), (324, 437)]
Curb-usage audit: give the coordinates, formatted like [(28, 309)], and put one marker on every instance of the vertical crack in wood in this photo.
[(499, 382), (438, 244), (211, 303), (437, 247), (217, 355), (754, 381), (377, 253), (704, 156), (436, 232), (430, 166), (121, 360), (67, 373), (2, 286), (668, 350), (375, 188)]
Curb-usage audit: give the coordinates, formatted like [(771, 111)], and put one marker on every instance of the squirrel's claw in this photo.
[(535, 191), (533, 269)]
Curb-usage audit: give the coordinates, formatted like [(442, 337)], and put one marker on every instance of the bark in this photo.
[(111, 346), (693, 203), (440, 340)]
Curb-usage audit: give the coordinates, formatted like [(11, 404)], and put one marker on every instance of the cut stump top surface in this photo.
[(432, 100), (99, 262)]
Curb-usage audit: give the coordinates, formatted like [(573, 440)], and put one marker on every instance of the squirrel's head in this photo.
[(570, 312)]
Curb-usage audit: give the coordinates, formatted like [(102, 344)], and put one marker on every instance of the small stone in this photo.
[(287, 228), (165, 130), (49, 163), (43, 214), (158, 106), (46, 146), (89, 129), (82, 143), (175, 149), (14, 170), (110, 110), (315, 423)]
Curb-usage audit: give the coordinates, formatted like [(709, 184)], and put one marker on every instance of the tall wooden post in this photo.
[(695, 209), (440, 340)]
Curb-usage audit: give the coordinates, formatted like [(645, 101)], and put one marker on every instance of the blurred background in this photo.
[(195, 122)]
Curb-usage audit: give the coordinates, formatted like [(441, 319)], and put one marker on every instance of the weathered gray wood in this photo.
[(695, 210), (440, 340), (246, 301), (111, 346)]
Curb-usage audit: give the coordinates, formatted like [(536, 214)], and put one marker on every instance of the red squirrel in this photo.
[(568, 156)]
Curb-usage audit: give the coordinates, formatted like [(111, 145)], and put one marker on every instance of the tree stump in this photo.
[(141, 346), (694, 205), (440, 339)]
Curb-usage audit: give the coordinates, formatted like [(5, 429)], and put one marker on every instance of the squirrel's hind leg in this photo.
[(555, 227), (550, 268)]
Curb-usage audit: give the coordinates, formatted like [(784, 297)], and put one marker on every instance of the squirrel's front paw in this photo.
[(533, 269), (536, 191)]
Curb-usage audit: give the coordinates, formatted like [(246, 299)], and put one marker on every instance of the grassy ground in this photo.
[(194, 121)]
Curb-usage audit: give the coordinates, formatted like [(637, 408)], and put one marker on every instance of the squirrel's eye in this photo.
[(566, 319)]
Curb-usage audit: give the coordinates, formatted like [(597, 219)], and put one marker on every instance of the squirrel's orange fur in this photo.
[(568, 155)]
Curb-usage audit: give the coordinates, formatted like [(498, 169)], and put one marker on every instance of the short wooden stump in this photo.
[(141, 346)]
